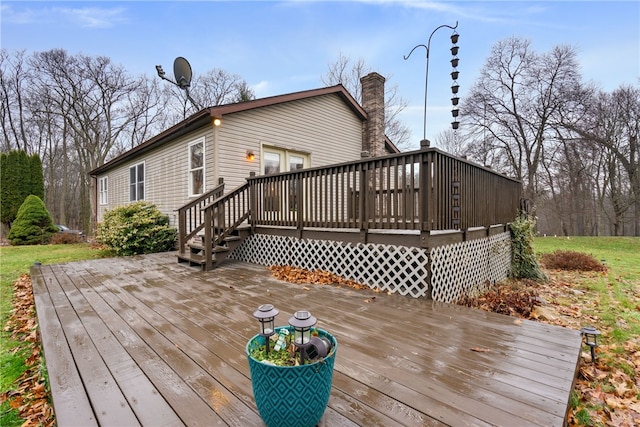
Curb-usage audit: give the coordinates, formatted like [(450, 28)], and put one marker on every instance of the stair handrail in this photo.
[(190, 209), (232, 208)]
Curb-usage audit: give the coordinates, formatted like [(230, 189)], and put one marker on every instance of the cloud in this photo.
[(93, 17), (9, 14), (261, 88), (85, 17)]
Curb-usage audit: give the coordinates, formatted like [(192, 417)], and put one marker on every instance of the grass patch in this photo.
[(16, 261), (610, 302), (616, 293)]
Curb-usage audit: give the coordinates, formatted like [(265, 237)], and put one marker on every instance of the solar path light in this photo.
[(266, 314), (302, 322), (590, 335)]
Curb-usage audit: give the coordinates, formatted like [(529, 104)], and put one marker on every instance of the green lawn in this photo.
[(616, 294), (15, 261), (621, 254)]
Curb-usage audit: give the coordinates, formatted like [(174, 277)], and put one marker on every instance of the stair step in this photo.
[(200, 247)]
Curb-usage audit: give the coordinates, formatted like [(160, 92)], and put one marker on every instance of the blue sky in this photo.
[(282, 47)]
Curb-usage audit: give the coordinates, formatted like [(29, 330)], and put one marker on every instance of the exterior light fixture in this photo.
[(266, 314), (302, 322), (217, 121), (590, 335), (250, 155)]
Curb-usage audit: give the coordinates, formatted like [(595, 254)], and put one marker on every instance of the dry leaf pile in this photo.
[(30, 396), (315, 277)]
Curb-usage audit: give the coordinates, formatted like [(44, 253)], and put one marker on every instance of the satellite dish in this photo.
[(182, 72)]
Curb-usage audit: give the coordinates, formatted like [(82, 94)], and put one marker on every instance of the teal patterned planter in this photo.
[(291, 396)]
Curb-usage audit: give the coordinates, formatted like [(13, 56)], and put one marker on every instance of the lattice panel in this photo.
[(395, 269), (468, 268)]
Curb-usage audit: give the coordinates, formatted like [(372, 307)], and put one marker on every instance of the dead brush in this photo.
[(511, 298), (572, 261)]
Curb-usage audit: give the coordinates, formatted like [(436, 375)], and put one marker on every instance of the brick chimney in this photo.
[(373, 138)]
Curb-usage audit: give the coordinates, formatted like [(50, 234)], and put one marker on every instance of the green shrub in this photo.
[(33, 224), (523, 261), (137, 228)]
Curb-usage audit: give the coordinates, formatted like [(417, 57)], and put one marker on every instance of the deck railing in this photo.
[(426, 190), (224, 215), (422, 190), (191, 215)]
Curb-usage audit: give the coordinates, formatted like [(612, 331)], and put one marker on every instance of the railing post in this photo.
[(299, 203), (425, 192), (363, 202), (182, 230), (253, 201), (208, 241)]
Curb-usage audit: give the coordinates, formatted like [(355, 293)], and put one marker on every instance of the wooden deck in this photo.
[(147, 341)]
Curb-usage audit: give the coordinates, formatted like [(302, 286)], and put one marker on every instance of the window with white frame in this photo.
[(136, 182), (196, 167), (102, 190)]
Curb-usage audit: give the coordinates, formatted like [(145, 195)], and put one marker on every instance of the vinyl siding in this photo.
[(322, 127), (166, 175)]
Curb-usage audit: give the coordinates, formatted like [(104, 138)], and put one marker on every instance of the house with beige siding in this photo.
[(309, 179), (230, 142)]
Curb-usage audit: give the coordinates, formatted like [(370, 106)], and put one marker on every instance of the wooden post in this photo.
[(208, 243)]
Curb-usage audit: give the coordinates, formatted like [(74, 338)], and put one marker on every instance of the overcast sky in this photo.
[(282, 47)]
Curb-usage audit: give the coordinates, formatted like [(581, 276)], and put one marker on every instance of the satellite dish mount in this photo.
[(182, 74)]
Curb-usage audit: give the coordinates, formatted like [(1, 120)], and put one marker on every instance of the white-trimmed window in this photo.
[(103, 195), (196, 167), (136, 182)]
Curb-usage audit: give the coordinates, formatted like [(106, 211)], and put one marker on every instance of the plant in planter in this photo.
[(291, 369)]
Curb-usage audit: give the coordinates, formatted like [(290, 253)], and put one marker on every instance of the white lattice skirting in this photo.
[(469, 268), (390, 268)]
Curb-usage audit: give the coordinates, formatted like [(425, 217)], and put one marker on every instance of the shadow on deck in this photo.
[(146, 341)]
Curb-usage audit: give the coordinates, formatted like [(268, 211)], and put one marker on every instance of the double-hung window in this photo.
[(136, 182), (102, 191), (196, 167)]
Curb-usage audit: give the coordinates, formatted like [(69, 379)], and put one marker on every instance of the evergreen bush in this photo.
[(523, 261), (137, 228), (33, 224)]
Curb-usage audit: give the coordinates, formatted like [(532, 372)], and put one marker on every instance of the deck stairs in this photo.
[(194, 253)]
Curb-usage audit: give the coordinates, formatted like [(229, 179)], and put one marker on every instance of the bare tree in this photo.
[(612, 121), (514, 104), (215, 87), (95, 106), (452, 142), (13, 112), (348, 72)]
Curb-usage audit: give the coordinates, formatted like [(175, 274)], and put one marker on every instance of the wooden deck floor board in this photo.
[(135, 386), (67, 389), (186, 404), (504, 384), (182, 332), (109, 404)]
